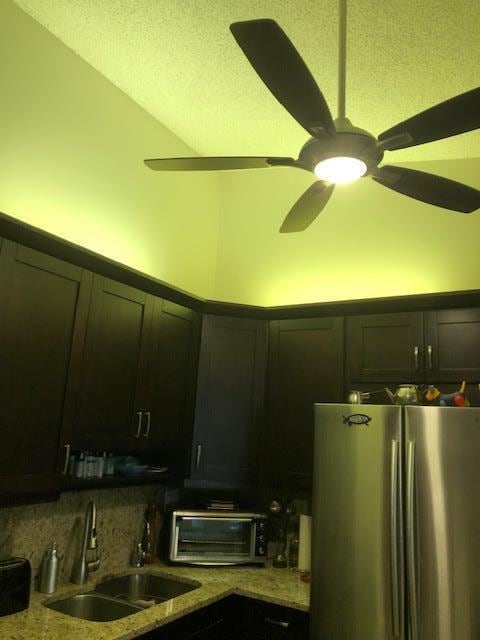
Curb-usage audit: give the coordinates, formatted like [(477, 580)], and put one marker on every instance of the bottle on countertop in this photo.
[(293, 539), (80, 466), (110, 465), (71, 465), (280, 557), (293, 547), (137, 557), (50, 570), (100, 464), (91, 465), (150, 533), (87, 466)]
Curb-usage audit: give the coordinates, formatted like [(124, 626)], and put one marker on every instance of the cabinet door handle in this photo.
[(67, 458), (430, 359), (147, 430), (415, 355), (199, 456), (277, 623), (139, 424)]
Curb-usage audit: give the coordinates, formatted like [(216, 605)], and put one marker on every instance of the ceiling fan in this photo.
[(337, 151)]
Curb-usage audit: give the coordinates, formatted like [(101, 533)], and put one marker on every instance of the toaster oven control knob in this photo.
[(261, 551), (261, 538), (261, 526)]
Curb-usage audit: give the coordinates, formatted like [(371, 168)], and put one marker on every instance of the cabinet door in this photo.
[(386, 347), (452, 339), (305, 366), (213, 622), (114, 368), (44, 304), (257, 620), (229, 405), (169, 402), (236, 618)]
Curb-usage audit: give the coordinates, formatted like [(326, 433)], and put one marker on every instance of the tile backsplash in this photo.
[(27, 531)]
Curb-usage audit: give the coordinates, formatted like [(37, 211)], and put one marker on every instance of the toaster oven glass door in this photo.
[(214, 539)]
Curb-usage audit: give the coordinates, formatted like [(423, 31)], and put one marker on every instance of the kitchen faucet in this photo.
[(83, 566)]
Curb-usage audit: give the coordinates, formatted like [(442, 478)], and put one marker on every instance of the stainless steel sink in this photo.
[(119, 597), (144, 589), (94, 607)]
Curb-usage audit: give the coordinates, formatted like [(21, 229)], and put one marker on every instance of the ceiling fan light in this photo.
[(340, 169)]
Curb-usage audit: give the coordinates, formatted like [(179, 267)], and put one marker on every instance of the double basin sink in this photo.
[(119, 597)]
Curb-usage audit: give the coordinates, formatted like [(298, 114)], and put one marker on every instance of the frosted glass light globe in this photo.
[(340, 169)]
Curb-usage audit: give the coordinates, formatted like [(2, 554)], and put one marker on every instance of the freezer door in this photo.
[(443, 522), (357, 546)]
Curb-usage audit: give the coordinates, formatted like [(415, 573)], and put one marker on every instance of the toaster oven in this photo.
[(218, 537)]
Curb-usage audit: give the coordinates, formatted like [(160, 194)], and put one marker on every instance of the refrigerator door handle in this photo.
[(411, 552), (397, 583)]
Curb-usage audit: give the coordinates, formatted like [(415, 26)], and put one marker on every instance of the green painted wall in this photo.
[(71, 152), (368, 242)]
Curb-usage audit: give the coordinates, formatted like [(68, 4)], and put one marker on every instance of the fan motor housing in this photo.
[(354, 145)]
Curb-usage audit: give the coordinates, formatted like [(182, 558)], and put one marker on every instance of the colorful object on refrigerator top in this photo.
[(433, 396)]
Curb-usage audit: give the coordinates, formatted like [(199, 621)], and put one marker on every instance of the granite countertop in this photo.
[(279, 586)]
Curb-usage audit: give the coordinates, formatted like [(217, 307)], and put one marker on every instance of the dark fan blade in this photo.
[(429, 188), (282, 69), (449, 118), (307, 207), (216, 164)]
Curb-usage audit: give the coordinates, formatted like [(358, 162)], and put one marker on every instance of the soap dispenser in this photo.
[(50, 570)]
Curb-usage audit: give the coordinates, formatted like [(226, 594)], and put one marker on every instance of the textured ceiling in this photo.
[(178, 60)]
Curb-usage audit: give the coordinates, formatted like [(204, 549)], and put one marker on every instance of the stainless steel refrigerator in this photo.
[(396, 523)]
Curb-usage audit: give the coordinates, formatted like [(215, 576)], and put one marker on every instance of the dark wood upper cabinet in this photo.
[(44, 305), (229, 405), (108, 412), (138, 377), (452, 345), (305, 366), (432, 347), (92, 363), (170, 390), (385, 347)]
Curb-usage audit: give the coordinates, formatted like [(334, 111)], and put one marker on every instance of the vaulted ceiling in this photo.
[(178, 60)]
